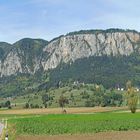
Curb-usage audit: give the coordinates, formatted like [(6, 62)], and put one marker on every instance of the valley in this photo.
[(69, 70)]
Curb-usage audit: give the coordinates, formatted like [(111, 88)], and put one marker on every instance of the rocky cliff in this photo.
[(79, 45), (30, 55)]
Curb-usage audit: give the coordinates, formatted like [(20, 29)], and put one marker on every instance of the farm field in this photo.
[(72, 125), (127, 135)]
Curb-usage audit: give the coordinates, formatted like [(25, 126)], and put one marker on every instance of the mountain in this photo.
[(83, 44), (24, 57), (109, 57), (29, 55)]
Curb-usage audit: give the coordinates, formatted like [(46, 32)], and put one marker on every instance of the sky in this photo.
[(48, 19)]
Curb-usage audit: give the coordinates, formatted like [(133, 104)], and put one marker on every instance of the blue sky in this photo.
[(50, 18)]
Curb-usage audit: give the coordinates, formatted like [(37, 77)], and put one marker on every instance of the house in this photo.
[(122, 89)]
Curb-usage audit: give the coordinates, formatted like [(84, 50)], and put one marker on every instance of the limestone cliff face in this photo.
[(28, 55), (71, 47), (11, 64)]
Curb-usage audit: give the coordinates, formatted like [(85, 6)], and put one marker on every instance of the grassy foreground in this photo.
[(75, 124)]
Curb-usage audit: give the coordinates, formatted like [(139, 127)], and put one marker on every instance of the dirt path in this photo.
[(59, 110), (1, 128), (129, 135)]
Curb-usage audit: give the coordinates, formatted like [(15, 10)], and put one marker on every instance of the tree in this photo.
[(62, 101), (31, 106), (132, 98), (27, 105), (36, 106), (7, 104), (45, 99), (45, 105), (128, 84)]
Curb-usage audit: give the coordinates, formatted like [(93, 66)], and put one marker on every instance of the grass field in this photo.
[(74, 124)]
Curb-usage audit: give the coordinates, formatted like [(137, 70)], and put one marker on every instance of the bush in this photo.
[(36, 106), (27, 105), (9, 107)]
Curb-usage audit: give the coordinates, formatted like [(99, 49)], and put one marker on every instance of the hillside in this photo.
[(110, 71)]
